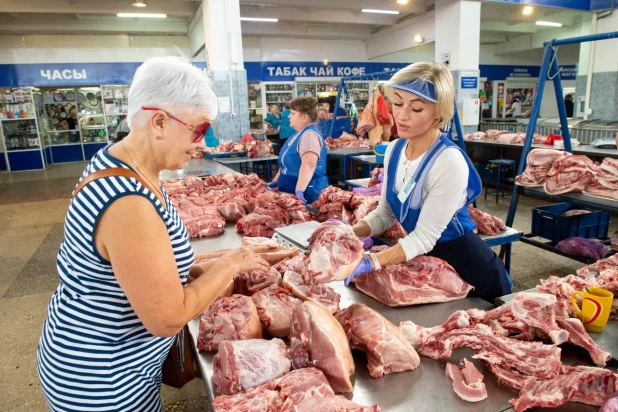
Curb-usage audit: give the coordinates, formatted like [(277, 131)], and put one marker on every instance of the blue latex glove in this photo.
[(272, 185), (367, 242), (301, 196), (364, 266), (381, 178)]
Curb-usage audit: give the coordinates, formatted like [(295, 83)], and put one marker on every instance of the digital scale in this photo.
[(296, 235), (604, 144)]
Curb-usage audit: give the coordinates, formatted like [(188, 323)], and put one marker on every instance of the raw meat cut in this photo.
[(596, 268), (575, 212), (597, 189), (274, 306), (259, 241), (302, 390), (261, 224), (539, 163), (229, 318), (572, 163), (244, 364), (486, 223), (568, 182), (577, 384), (475, 136), (468, 382), (580, 246), (234, 210), (530, 358), (367, 206), (395, 233), (493, 134), (334, 252), (346, 140), (202, 221), (511, 138), (248, 283), (374, 178), (259, 148), (318, 340), (317, 293), (387, 349), (536, 310), (424, 279), (295, 264), (578, 336), (366, 121), (418, 335), (226, 147), (275, 254)]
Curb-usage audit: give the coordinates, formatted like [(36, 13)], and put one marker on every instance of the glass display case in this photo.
[(58, 116), (16, 104), (254, 92), (113, 123), (92, 124), (306, 89), (279, 93), (20, 134)]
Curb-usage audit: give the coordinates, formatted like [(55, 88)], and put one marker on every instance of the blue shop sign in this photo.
[(499, 72), (69, 74), (586, 5)]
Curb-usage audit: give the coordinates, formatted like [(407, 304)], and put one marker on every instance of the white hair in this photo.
[(172, 84)]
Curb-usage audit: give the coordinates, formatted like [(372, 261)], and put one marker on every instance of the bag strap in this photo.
[(112, 171)]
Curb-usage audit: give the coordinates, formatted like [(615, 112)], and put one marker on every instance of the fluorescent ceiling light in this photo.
[(139, 3), (258, 19), (402, 1), (548, 23), (527, 10), (144, 15), (380, 11), (418, 38)]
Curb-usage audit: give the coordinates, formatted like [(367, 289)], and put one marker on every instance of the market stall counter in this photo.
[(344, 154)]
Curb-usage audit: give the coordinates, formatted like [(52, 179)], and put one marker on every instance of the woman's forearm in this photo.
[(392, 256), (276, 179), (304, 176), (362, 229)]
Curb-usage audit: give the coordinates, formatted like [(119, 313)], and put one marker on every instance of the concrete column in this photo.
[(224, 58), (604, 87), (458, 31)]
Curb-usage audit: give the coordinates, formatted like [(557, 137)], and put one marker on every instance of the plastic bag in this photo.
[(551, 139), (580, 246), (384, 116)]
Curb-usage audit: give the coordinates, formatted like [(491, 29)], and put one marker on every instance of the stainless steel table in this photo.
[(358, 182), (584, 149), (229, 239), (196, 167)]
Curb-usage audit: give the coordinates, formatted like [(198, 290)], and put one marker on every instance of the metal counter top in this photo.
[(348, 151), (584, 149), (230, 239), (368, 159), (196, 167), (358, 182), (244, 159), (508, 236)]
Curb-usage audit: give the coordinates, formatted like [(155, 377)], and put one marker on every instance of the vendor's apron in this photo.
[(458, 245), (289, 167)]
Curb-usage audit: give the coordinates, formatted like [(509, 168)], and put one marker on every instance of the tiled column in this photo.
[(458, 29), (224, 59)]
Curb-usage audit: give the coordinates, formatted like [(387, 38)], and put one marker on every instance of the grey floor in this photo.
[(32, 211)]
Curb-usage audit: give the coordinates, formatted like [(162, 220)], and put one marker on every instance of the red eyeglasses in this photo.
[(200, 132)]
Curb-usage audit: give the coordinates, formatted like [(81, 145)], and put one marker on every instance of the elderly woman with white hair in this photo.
[(428, 184), (125, 257)]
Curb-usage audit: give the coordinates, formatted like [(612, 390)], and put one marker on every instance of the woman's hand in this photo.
[(246, 259)]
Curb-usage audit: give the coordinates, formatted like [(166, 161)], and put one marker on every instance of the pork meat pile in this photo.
[(424, 279), (275, 306), (346, 140), (486, 224), (605, 182), (259, 148), (538, 164), (227, 147)]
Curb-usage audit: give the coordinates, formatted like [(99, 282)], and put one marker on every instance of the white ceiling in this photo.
[(329, 19)]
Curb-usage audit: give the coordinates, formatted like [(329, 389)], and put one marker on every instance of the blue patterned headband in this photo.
[(420, 87)]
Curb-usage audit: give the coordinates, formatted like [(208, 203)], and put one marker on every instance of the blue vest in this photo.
[(407, 213), (289, 166)]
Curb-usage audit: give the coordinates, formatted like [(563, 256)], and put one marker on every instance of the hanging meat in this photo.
[(365, 121), (375, 134)]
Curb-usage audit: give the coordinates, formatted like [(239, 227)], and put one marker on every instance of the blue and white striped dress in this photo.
[(94, 353)]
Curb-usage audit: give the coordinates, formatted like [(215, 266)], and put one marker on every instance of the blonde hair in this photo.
[(442, 80)]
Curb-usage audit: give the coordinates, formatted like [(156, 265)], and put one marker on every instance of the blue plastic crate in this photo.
[(548, 223)]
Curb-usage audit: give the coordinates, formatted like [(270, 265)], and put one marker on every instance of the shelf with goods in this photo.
[(115, 107), (361, 93), (254, 91), (279, 94), (20, 129), (306, 89)]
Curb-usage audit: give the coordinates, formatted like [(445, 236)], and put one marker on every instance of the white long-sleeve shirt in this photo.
[(444, 193)]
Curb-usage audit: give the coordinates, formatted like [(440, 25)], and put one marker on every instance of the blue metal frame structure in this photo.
[(549, 71)]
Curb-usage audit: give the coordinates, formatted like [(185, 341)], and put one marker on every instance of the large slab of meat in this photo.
[(263, 221), (248, 283), (597, 267), (486, 224), (318, 340), (538, 164), (467, 382), (229, 318), (568, 182), (275, 306), (244, 364), (346, 140), (334, 252), (320, 294), (259, 148), (424, 279), (301, 390), (605, 183), (227, 147), (387, 349)]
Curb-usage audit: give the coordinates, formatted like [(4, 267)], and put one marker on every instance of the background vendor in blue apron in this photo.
[(273, 118), (285, 129), (428, 184), (302, 160)]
